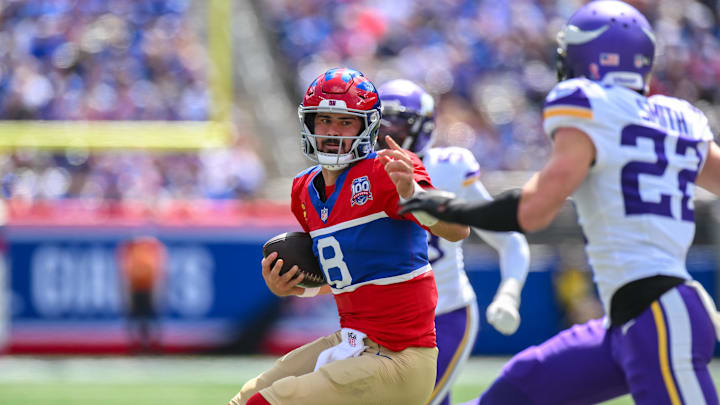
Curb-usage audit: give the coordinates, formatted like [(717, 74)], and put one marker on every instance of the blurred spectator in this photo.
[(4, 283), (101, 59), (142, 262), (112, 60), (33, 175), (488, 63)]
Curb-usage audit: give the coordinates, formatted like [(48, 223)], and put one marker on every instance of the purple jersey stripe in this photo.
[(576, 99), (472, 173)]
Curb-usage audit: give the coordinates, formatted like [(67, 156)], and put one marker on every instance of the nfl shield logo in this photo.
[(324, 214), (360, 191), (352, 339)]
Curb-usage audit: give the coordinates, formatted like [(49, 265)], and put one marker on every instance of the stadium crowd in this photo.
[(97, 59), (488, 63), (138, 176), (111, 60)]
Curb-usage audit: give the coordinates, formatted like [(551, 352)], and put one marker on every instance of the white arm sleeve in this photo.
[(512, 247)]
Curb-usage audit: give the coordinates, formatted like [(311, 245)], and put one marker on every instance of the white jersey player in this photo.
[(408, 119), (631, 163), (456, 170), (635, 205)]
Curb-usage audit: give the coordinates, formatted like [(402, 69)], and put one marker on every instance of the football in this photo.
[(295, 248)]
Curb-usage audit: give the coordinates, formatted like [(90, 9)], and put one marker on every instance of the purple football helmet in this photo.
[(608, 41), (408, 116)]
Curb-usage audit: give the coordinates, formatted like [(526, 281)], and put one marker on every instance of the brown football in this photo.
[(295, 248)]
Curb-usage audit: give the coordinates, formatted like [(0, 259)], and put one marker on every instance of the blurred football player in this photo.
[(375, 261), (631, 163), (142, 260), (408, 118)]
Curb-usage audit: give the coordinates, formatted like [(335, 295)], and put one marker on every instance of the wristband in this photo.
[(422, 217), (310, 292), (417, 189), (425, 219)]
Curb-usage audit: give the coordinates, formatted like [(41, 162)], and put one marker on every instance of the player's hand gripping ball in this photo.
[(295, 248)]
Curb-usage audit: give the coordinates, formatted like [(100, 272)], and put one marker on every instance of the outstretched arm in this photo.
[(399, 167), (709, 177), (545, 193), (450, 231), (528, 210), (503, 312)]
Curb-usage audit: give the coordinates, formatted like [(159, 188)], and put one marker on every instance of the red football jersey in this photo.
[(374, 259)]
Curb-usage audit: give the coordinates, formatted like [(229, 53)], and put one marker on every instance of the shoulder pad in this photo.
[(458, 161), (570, 98)]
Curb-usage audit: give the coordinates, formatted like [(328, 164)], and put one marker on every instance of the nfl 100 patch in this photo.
[(360, 191)]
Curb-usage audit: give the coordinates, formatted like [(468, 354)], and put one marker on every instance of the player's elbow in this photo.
[(462, 232), (534, 221), (451, 232), (517, 244)]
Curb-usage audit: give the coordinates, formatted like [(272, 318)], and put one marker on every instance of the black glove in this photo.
[(499, 215), (437, 203)]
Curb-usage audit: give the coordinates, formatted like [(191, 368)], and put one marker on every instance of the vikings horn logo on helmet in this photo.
[(607, 41)]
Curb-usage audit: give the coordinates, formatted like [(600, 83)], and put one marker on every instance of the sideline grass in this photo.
[(174, 380)]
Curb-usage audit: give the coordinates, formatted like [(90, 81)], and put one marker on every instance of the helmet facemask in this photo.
[(340, 91), (362, 145)]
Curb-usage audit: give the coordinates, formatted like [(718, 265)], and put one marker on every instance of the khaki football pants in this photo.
[(378, 376)]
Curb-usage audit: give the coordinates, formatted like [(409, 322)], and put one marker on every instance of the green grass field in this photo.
[(172, 380)]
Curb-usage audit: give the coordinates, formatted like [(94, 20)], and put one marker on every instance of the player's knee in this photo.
[(285, 387), (235, 400)]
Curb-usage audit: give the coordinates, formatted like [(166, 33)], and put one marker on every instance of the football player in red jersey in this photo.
[(375, 261)]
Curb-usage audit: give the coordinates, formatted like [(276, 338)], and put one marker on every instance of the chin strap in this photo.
[(333, 162)]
